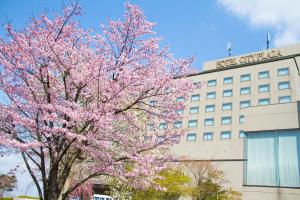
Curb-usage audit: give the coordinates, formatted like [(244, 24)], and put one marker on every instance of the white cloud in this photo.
[(281, 16)]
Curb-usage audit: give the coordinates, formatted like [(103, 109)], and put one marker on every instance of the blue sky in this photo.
[(189, 27), (199, 28)]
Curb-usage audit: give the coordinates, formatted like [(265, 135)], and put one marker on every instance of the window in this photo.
[(263, 74), (244, 104), (225, 135), (245, 77), (284, 85), (211, 83), (242, 134), (164, 112), (264, 88), (227, 106), (245, 90), (160, 138), (153, 103), (273, 158), (198, 85), (211, 95), (180, 99), (227, 93), (150, 127), (193, 123), (177, 124), (285, 99), (226, 120), (209, 122), (228, 80), (175, 138), (263, 102), (207, 136), (191, 137), (180, 112), (242, 119), (195, 97), (194, 110), (163, 126), (283, 71), (210, 108), (147, 138)]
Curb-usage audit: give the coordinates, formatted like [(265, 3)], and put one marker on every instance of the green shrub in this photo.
[(27, 197), (6, 198)]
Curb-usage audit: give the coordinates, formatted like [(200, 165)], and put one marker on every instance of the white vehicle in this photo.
[(101, 197)]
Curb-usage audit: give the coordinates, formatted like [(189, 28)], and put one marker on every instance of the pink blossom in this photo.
[(80, 96)]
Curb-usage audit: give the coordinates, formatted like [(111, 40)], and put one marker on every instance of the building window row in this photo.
[(210, 135), (228, 106), (247, 77), (247, 90), (228, 92)]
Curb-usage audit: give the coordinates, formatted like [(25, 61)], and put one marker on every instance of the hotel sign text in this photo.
[(248, 59)]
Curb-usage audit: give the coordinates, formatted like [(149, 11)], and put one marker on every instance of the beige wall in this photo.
[(272, 117)]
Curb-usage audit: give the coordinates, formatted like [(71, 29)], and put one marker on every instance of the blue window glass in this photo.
[(192, 123), (153, 103), (194, 110), (161, 138), (242, 119), (245, 77), (180, 99), (177, 124), (244, 104), (227, 93), (191, 137), (264, 88), (284, 85), (273, 158), (263, 74), (209, 122), (227, 106), (150, 127), (263, 102), (283, 71), (245, 90), (228, 80), (211, 83), (207, 136), (226, 120), (210, 108), (175, 138), (180, 112), (163, 126), (211, 95), (225, 135), (242, 134), (147, 138), (198, 85), (195, 97), (285, 99)]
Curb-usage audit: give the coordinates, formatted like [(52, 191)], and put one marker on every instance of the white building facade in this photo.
[(243, 116)]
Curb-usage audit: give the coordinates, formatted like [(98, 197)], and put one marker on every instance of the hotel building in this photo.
[(243, 116)]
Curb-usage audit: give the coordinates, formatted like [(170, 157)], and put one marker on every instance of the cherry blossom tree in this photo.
[(78, 97)]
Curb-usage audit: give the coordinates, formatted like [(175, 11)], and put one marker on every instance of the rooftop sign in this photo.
[(248, 59)]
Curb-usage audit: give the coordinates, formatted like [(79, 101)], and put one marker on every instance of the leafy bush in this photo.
[(27, 197), (6, 198)]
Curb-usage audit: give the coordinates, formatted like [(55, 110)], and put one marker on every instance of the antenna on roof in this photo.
[(268, 40), (229, 48)]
